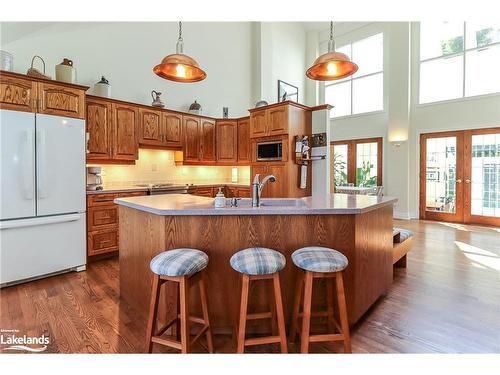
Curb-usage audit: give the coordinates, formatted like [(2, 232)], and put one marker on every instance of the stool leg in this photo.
[(279, 312), (272, 308), (296, 305), (243, 313), (178, 309), (184, 293), (344, 324), (306, 317), (329, 303), (204, 307), (153, 310)]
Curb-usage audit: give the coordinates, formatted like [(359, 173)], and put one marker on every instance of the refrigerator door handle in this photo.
[(21, 223), (42, 164), (27, 166)]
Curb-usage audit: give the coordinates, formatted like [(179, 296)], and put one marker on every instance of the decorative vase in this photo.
[(65, 72), (103, 88)]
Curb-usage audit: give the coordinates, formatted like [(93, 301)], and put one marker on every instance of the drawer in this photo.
[(243, 192), (108, 198), (102, 217), (102, 241), (203, 192)]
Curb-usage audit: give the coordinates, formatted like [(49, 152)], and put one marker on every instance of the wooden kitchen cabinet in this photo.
[(150, 126), (243, 156), (207, 137), (102, 222), (172, 129), (277, 189), (125, 140), (277, 118), (20, 92), (99, 129), (203, 191), (191, 125), (238, 192), (227, 141), (258, 124)]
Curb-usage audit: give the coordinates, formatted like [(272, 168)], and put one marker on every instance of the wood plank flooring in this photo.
[(446, 301)]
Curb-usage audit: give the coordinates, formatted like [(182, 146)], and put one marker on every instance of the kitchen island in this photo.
[(359, 226)]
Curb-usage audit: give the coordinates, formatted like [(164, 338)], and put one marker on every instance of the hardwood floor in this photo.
[(446, 301)]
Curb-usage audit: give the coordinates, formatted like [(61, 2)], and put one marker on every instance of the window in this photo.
[(458, 60), (358, 162), (363, 91)]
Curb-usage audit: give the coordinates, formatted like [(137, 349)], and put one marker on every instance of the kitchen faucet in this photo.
[(257, 187)]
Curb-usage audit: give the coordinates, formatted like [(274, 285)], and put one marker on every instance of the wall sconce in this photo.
[(396, 139)]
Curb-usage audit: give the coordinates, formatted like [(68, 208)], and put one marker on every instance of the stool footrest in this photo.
[(167, 342), (262, 340), (261, 315), (327, 337), (202, 331)]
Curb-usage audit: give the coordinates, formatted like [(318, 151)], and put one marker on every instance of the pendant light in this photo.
[(179, 67), (331, 65)]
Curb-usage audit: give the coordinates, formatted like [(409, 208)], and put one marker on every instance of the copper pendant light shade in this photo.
[(331, 65), (179, 67)]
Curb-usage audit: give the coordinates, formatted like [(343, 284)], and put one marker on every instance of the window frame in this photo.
[(351, 79), (352, 157), (442, 57)]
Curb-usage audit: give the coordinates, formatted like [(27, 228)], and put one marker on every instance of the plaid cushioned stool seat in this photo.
[(319, 259), (258, 261), (404, 234), (179, 262)]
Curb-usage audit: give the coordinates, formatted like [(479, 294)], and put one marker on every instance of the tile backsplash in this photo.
[(155, 166)]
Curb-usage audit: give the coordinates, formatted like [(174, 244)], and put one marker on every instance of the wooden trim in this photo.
[(36, 79), (287, 102)]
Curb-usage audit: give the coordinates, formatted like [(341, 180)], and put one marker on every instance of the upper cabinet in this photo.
[(125, 125), (172, 129), (99, 129), (151, 133), (244, 141), (227, 141), (207, 141), (191, 147), (269, 121), (22, 93)]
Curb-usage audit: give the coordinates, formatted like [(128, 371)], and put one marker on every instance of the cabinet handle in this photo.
[(459, 181), (467, 181)]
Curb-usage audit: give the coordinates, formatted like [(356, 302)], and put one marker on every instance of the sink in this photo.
[(273, 202)]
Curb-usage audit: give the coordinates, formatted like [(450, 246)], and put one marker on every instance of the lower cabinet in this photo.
[(277, 189), (238, 192), (229, 191), (102, 222)]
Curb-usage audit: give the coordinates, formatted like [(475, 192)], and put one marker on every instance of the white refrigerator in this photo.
[(42, 206)]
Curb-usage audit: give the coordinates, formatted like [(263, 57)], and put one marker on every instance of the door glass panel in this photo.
[(366, 164), (485, 177), (339, 165), (441, 174)]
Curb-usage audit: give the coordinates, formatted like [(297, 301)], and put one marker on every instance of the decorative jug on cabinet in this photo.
[(156, 99), (65, 71)]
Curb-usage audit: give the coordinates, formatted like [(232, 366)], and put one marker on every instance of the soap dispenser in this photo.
[(220, 199)]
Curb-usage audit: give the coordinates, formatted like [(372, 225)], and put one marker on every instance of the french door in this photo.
[(460, 176)]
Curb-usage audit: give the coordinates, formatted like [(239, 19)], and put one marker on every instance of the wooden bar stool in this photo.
[(260, 263), (184, 267), (320, 262)]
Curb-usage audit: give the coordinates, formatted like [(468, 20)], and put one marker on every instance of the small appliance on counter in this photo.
[(94, 179), (195, 108), (156, 99), (65, 72), (103, 88)]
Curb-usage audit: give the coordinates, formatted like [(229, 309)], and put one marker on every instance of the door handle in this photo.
[(42, 164)]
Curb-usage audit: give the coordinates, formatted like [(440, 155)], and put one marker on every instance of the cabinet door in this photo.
[(60, 100), (208, 141), (125, 145), (243, 193), (258, 124), (99, 129), (277, 189), (278, 120), (100, 217), (191, 147), (17, 94), (150, 127), (102, 241), (262, 170), (244, 141), (227, 141), (172, 129)]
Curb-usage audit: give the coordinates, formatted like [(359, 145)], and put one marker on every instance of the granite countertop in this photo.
[(130, 188), (184, 204)]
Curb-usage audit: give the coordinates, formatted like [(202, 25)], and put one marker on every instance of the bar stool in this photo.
[(320, 263), (260, 263), (184, 267)]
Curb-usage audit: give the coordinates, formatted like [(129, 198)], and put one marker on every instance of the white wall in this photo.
[(125, 52), (402, 116)]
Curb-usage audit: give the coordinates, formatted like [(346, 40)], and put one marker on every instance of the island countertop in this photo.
[(186, 204)]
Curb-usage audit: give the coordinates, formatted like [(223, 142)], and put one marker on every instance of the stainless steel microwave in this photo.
[(270, 150)]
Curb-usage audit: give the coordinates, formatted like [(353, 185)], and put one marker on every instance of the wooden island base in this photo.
[(366, 240)]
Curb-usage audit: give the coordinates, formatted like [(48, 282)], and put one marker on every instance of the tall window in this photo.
[(357, 161), (458, 59), (363, 91)]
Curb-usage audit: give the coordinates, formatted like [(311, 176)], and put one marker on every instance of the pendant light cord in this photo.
[(180, 30), (180, 43), (331, 42)]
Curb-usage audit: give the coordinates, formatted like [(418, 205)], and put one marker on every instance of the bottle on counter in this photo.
[(220, 199)]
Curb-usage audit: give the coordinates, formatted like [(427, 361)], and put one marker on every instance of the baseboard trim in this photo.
[(401, 215)]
